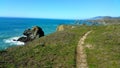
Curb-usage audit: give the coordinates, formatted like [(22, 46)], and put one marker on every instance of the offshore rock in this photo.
[(31, 34)]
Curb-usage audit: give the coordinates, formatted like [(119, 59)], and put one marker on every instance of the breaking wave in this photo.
[(13, 41)]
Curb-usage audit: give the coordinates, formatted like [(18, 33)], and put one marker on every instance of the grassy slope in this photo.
[(59, 51), (104, 47)]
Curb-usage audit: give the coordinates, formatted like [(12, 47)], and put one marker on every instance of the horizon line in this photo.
[(55, 18), (36, 18)]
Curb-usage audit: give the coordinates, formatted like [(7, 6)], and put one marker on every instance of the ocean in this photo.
[(12, 28)]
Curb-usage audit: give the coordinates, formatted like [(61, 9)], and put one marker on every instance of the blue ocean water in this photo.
[(12, 28)]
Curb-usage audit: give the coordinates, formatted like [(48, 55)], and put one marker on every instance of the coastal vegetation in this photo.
[(54, 50), (58, 50), (103, 47)]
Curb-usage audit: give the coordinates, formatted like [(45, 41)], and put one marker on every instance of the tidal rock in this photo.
[(31, 34)]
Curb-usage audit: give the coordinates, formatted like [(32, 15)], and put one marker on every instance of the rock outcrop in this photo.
[(64, 27), (31, 34), (60, 28)]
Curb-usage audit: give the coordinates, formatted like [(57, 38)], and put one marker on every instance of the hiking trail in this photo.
[(81, 58)]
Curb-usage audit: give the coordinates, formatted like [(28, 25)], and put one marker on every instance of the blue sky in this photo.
[(61, 9)]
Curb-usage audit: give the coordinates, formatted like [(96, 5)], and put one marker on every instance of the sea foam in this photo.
[(13, 41)]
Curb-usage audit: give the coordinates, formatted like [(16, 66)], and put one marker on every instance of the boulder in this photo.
[(31, 34)]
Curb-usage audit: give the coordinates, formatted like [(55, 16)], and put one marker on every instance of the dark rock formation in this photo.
[(31, 34), (22, 39)]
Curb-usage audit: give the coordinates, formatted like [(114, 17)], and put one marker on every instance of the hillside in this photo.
[(99, 20), (58, 50), (105, 20), (103, 47)]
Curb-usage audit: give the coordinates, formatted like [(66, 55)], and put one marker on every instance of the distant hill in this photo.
[(103, 17), (105, 20), (99, 20)]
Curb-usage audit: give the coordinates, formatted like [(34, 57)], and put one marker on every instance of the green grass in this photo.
[(59, 50), (105, 47)]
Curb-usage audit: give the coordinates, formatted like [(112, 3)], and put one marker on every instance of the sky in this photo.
[(59, 9)]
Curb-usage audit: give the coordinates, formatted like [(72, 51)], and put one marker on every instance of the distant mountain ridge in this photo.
[(104, 17), (105, 20)]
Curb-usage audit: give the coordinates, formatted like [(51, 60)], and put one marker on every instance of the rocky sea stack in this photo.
[(31, 34)]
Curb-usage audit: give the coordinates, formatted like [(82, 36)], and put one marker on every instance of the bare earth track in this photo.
[(81, 61)]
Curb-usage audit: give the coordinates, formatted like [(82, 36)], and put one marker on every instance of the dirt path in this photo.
[(81, 61)]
